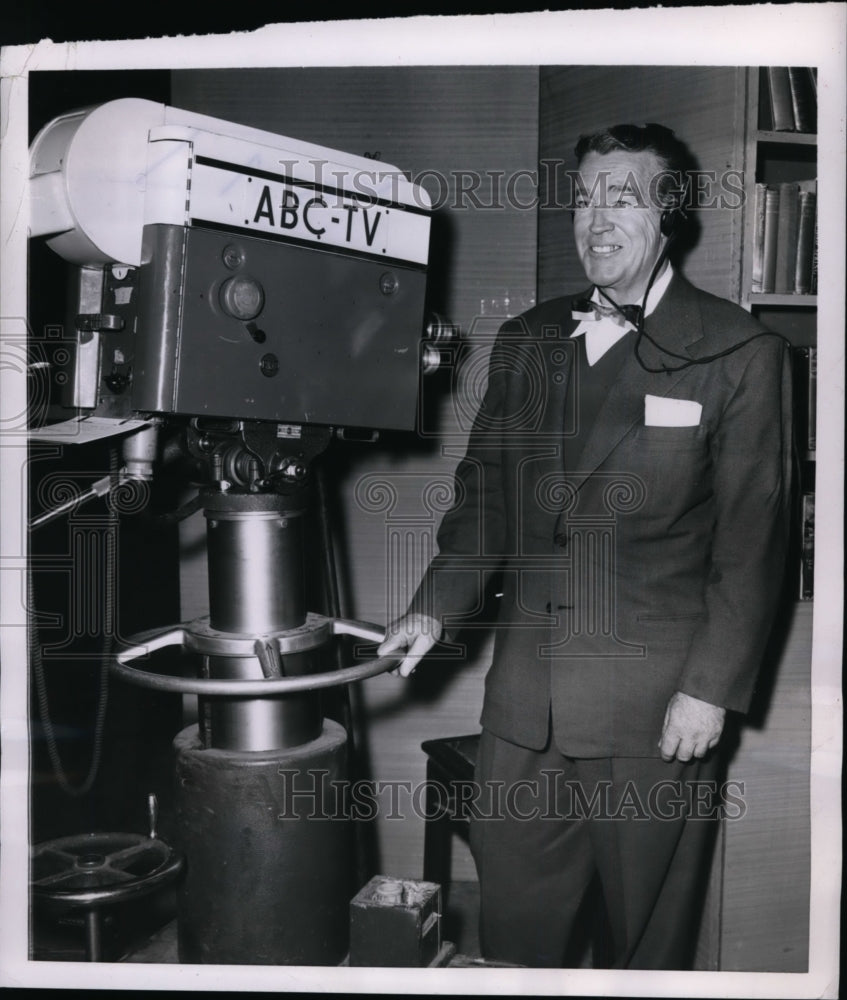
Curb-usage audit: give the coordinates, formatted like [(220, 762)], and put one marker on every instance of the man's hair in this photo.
[(672, 154)]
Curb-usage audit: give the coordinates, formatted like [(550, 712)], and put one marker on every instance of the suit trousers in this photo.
[(546, 825)]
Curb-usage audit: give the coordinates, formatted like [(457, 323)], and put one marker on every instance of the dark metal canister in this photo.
[(268, 851)]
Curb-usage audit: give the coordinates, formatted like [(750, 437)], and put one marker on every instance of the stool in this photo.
[(449, 761)]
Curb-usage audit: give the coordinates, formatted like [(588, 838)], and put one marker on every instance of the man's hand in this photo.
[(692, 727), (416, 634)]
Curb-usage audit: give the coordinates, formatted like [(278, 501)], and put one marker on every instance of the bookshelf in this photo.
[(778, 261), (782, 162), (765, 861)]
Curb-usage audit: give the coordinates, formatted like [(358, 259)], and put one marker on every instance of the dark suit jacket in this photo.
[(653, 563)]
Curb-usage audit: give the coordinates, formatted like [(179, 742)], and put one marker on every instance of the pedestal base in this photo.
[(268, 850)]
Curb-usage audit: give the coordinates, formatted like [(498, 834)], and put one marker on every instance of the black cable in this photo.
[(37, 662), (635, 314), (180, 514), (691, 362), (332, 593)]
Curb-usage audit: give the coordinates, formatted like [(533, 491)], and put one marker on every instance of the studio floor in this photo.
[(148, 933)]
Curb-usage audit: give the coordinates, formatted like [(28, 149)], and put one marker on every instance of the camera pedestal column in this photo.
[(269, 853)]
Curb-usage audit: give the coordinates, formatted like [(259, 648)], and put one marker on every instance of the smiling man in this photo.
[(618, 249), (637, 507)]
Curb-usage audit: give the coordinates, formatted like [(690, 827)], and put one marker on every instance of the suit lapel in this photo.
[(676, 324), (555, 351)]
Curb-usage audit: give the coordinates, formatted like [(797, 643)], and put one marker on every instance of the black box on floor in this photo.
[(395, 923)]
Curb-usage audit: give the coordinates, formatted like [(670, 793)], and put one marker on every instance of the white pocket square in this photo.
[(662, 411)]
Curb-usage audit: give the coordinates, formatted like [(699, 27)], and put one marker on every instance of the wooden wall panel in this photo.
[(704, 106), (432, 122), (765, 918)]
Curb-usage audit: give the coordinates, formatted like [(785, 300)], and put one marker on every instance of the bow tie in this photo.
[(585, 310)]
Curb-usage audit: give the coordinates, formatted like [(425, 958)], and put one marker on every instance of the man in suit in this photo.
[(628, 473)]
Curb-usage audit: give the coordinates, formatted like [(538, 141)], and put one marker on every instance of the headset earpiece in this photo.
[(674, 217), (672, 221)]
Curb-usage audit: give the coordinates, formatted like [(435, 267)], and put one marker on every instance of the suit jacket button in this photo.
[(561, 539), (548, 607)]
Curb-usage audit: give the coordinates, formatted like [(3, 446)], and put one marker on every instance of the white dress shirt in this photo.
[(603, 333)]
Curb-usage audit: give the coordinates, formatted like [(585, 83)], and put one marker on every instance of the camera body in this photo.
[(228, 272)]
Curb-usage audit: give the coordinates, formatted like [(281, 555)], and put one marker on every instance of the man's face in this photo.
[(616, 223)]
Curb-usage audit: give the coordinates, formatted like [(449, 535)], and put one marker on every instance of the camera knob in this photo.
[(243, 298)]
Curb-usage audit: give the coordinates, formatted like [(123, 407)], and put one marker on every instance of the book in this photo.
[(805, 398), (812, 400), (781, 104), (806, 229), (769, 240), (813, 290), (758, 239), (765, 122), (807, 547), (786, 239), (790, 101), (803, 98)]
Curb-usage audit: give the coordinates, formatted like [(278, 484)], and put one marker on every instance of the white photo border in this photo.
[(791, 34)]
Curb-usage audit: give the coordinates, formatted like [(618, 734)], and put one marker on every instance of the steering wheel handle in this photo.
[(199, 637)]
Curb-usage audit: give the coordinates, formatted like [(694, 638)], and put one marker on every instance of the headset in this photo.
[(635, 315)]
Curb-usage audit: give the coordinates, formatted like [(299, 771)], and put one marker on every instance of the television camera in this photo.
[(264, 295)]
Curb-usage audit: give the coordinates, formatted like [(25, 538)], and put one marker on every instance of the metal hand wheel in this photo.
[(199, 637), (89, 871)]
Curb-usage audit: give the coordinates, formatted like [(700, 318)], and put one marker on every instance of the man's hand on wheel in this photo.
[(414, 633), (692, 728)]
